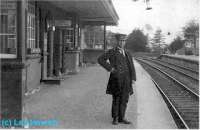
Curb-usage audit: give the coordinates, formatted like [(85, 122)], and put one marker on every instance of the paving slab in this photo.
[(152, 111), (80, 102)]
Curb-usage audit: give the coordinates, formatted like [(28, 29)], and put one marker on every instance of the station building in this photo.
[(43, 40)]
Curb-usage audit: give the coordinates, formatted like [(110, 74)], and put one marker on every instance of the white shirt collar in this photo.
[(121, 49)]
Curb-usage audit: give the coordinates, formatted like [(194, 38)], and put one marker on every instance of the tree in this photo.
[(157, 41), (158, 38), (176, 44), (136, 41), (191, 29), (191, 34)]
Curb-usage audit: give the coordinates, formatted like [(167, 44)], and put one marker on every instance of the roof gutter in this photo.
[(108, 5)]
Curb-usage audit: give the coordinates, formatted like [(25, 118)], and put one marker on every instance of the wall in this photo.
[(33, 73), (91, 55), (13, 79), (71, 62)]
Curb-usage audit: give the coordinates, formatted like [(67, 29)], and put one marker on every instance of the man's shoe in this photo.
[(115, 121), (124, 121)]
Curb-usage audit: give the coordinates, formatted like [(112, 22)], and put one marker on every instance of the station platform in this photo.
[(151, 109), (186, 57), (80, 102)]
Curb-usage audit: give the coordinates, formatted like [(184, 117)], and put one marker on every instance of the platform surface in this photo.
[(187, 57), (152, 111), (80, 102)]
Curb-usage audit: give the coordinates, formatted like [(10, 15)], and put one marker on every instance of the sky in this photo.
[(167, 15)]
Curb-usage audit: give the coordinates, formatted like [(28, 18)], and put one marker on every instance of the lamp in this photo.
[(148, 5)]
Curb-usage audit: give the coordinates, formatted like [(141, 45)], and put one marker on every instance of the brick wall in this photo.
[(13, 79)]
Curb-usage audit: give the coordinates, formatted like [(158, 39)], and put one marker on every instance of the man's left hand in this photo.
[(133, 81)]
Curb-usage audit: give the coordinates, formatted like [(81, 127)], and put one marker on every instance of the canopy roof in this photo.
[(100, 11)]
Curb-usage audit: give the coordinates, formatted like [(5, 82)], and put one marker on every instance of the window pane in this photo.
[(34, 43), (11, 20), (33, 22), (11, 42), (11, 11), (11, 30), (28, 22), (31, 25), (29, 44), (31, 33), (27, 33), (4, 24), (8, 27)]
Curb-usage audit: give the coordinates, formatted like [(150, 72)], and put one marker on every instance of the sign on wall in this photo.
[(63, 23), (188, 44)]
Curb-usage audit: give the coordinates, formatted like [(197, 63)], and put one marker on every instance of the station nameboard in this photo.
[(63, 23), (188, 44)]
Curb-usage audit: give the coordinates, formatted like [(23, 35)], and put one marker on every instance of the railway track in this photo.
[(185, 68), (186, 78), (182, 101), (172, 64), (180, 69)]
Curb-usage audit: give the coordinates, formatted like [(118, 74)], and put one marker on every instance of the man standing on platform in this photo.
[(119, 63)]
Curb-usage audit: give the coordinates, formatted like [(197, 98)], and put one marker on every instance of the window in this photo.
[(8, 27), (94, 37), (68, 33), (31, 39), (68, 38)]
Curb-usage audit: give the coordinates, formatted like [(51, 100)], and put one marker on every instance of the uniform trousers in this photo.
[(119, 102)]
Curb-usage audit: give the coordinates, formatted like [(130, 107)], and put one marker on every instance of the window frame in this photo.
[(9, 47), (31, 26)]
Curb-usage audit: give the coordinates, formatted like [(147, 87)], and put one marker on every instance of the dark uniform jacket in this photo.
[(111, 59)]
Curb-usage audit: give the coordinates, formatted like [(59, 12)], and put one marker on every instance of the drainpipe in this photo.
[(21, 25), (105, 44)]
